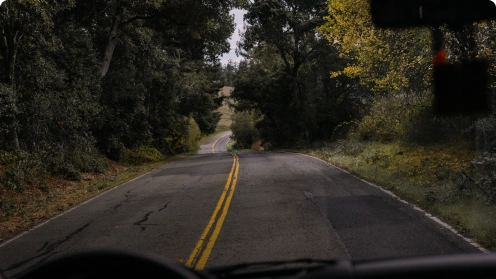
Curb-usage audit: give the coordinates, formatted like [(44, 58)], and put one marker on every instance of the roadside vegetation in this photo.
[(444, 179), (324, 81), (95, 92)]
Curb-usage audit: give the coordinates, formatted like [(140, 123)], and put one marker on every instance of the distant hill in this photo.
[(225, 119)]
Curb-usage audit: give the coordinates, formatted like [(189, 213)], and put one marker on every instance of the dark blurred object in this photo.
[(461, 88), (415, 13)]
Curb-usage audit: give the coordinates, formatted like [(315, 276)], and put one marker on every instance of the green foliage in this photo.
[(484, 175), (194, 135), (141, 155), (60, 108), (389, 119), (8, 116), (485, 130), (243, 128), (15, 169), (286, 74)]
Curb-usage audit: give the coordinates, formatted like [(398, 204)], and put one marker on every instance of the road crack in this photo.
[(145, 218), (164, 207), (49, 250)]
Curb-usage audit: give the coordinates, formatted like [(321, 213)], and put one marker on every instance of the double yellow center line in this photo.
[(200, 254)]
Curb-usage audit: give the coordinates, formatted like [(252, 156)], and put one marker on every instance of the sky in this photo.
[(238, 19)]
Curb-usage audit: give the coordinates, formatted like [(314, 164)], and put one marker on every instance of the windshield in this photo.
[(223, 132)]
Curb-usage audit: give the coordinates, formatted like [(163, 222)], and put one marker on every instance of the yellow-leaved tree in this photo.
[(396, 65), (389, 61)]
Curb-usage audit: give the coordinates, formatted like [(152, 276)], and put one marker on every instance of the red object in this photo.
[(440, 57)]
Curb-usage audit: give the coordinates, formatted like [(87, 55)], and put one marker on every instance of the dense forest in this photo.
[(82, 81)]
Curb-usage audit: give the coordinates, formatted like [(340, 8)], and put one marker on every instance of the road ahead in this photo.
[(220, 208)]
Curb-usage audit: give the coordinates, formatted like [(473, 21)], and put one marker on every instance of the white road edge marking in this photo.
[(428, 215), (71, 209)]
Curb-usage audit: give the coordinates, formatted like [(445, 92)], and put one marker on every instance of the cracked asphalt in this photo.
[(285, 206)]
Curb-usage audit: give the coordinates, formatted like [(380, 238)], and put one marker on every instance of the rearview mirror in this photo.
[(416, 13)]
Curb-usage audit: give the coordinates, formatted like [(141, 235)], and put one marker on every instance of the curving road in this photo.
[(214, 209), (216, 144)]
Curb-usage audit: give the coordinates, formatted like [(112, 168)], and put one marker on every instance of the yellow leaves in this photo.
[(352, 71), (383, 59), (336, 74)]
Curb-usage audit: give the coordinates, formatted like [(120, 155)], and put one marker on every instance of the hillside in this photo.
[(225, 120)]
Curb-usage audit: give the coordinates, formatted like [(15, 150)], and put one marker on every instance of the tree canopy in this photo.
[(83, 79)]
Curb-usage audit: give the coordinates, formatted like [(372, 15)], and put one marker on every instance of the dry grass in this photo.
[(226, 112), (49, 196)]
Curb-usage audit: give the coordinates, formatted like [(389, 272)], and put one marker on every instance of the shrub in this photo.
[(71, 158), (484, 172), (382, 123), (393, 119), (194, 135), (16, 168), (8, 112), (485, 129), (243, 128), (140, 155)]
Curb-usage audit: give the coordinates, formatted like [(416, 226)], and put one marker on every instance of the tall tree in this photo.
[(19, 20), (286, 73), (289, 26)]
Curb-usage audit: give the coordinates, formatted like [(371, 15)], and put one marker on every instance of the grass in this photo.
[(430, 176)]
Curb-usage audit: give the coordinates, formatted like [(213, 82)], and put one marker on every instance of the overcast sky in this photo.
[(238, 14)]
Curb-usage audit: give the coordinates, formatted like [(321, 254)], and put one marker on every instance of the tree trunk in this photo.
[(111, 43), (9, 46)]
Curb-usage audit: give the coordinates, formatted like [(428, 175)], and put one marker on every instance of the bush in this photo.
[(140, 155), (16, 168), (382, 123), (8, 112), (485, 130), (71, 158), (391, 119), (194, 135), (484, 172), (243, 128)]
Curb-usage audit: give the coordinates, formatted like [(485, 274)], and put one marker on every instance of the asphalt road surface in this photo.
[(215, 209)]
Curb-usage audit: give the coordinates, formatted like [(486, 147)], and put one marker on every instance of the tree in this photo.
[(84, 77), (289, 26), (285, 75), (388, 61), (19, 20)]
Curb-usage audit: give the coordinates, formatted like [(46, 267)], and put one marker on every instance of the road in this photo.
[(214, 209), (215, 144)]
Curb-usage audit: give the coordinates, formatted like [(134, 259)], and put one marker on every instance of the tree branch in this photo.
[(134, 18)]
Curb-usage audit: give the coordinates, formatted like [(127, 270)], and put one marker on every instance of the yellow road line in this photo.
[(211, 242), (200, 245), (213, 145)]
